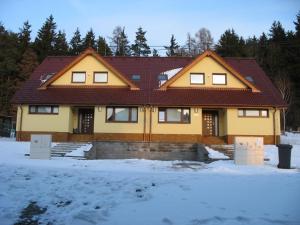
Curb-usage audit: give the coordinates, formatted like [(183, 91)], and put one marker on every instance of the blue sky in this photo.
[(159, 18)]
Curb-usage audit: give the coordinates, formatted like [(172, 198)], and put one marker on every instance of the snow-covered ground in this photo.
[(141, 192)]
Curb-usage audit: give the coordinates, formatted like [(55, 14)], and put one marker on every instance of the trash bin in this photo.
[(284, 155)]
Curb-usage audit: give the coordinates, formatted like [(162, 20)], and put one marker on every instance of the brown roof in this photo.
[(149, 68)]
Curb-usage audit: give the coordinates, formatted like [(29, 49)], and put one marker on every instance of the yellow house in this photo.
[(207, 99)]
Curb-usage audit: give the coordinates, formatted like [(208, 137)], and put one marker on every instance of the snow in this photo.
[(80, 151), (136, 192), (290, 138), (170, 74), (213, 154)]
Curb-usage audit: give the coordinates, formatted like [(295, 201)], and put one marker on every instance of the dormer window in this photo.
[(197, 78), (100, 77), (219, 79), (78, 77)]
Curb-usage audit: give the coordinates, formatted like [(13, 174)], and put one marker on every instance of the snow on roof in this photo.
[(170, 74)]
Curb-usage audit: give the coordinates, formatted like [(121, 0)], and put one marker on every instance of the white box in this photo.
[(40, 146), (249, 150)]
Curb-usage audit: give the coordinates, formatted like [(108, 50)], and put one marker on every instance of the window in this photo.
[(121, 114), (136, 77), (78, 77), (219, 79), (197, 78), (253, 113), (100, 77), (174, 115), (41, 109)]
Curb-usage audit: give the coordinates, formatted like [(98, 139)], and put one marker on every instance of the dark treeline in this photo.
[(277, 51)]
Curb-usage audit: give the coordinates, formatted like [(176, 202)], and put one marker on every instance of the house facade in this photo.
[(207, 99)]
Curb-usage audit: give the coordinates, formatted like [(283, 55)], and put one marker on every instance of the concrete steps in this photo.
[(227, 150), (61, 149)]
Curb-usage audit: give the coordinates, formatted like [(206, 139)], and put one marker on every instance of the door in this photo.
[(86, 121), (210, 123)]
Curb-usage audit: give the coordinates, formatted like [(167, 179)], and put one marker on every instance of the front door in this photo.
[(86, 121), (210, 123)]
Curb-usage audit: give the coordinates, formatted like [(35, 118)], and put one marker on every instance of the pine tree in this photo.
[(155, 52), (140, 47), (27, 64), (76, 43), (61, 45), (45, 40), (297, 26), (24, 36), (229, 44), (89, 40), (102, 47), (172, 49), (251, 48), (120, 42), (9, 56)]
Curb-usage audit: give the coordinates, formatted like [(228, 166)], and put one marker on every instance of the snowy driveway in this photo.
[(145, 192)]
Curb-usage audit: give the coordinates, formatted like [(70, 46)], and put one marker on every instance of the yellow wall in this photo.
[(101, 126), (229, 122), (195, 127), (252, 126), (45, 122), (208, 66), (89, 64)]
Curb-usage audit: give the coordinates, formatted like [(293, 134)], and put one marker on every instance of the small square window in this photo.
[(78, 77), (264, 113), (197, 78), (100, 77), (219, 79)]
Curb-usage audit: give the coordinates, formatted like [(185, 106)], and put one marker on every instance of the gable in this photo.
[(210, 63), (86, 66), (207, 67), (89, 64)]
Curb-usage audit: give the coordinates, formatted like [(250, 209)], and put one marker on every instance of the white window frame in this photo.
[(103, 77), (80, 79)]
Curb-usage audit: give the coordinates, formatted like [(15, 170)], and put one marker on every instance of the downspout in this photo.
[(274, 125), (150, 124), (20, 126), (144, 132)]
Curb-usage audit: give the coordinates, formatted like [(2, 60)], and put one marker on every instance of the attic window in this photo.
[(197, 78), (249, 78), (162, 77), (219, 78), (46, 77), (100, 77), (78, 77), (136, 77)]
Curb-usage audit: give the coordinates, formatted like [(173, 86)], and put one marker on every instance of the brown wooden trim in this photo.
[(87, 52), (175, 122), (219, 74), (87, 86), (219, 60), (203, 74), (129, 114), (179, 138), (100, 82), (81, 82)]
